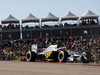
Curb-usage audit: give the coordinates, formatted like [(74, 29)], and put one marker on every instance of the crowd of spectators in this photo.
[(17, 26), (10, 50), (10, 26), (88, 22)]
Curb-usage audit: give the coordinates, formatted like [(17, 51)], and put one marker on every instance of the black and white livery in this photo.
[(52, 53), (77, 57)]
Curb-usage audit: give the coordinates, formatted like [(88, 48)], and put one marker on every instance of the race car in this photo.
[(51, 53)]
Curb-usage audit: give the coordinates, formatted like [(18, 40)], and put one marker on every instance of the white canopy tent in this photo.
[(30, 18), (49, 17), (69, 16), (89, 15), (10, 19)]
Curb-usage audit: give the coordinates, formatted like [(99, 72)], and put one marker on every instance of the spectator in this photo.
[(89, 45)]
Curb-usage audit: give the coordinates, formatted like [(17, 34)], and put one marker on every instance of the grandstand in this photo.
[(88, 25)]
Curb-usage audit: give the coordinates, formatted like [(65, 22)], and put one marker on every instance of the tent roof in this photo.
[(49, 17), (89, 15), (30, 18), (10, 19), (69, 16)]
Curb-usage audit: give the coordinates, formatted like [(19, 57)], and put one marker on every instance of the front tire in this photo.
[(30, 56), (84, 60)]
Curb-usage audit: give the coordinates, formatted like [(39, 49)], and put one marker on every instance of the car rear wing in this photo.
[(34, 48)]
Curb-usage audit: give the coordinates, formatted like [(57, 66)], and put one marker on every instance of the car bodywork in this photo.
[(77, 57), (52, 53)]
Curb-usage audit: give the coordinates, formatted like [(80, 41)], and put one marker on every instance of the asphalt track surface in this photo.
[(42, 68)]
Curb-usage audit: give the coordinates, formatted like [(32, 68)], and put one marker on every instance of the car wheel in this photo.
[(62, 56), (30, 56), (84, 60)]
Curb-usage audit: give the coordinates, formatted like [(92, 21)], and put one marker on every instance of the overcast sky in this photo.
[(39, 8)]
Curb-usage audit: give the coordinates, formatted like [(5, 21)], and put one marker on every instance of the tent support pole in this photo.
[(21, 31), (40, 29)]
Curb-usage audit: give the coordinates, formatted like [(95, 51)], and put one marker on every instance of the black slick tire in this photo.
[(30, 56)]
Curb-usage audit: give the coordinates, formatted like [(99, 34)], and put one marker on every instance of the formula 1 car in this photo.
[(51, 53)]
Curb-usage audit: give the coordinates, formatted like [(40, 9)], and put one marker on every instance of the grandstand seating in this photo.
[(50, 31)]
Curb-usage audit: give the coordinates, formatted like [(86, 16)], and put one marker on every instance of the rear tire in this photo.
[(62, 56), (30, 56)]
